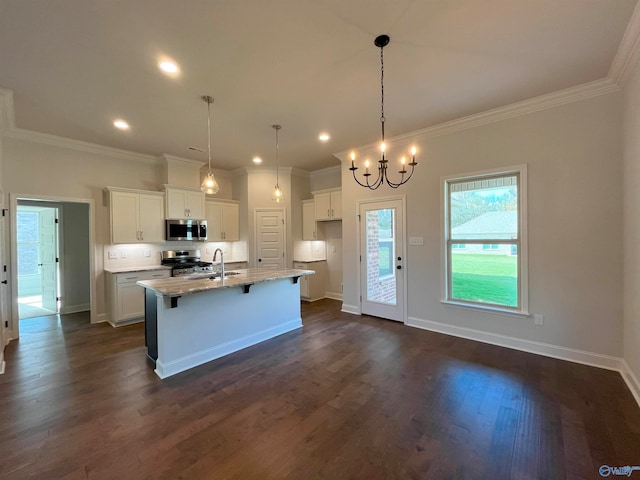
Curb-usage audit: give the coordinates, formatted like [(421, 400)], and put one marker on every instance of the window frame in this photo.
[(520, 171)]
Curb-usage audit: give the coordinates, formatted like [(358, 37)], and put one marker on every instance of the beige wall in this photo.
[(38, 169), (631, 237), (574, 158)]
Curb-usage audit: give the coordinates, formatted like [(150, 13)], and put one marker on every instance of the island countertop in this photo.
[(177, 286)]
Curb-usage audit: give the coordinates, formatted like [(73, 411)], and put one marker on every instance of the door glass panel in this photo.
[(380, 254)]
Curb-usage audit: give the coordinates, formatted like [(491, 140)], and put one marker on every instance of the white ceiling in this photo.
[(310, 65)]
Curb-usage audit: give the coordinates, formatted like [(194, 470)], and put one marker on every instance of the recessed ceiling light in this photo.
[(168, 67), (324, 137), (121, 124), (257, 160)]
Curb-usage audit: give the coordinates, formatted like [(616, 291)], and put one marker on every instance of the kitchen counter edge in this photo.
[(176, 286)]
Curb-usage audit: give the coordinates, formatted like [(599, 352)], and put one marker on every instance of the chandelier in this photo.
[(277, 196), (382, 41), (209, 184)]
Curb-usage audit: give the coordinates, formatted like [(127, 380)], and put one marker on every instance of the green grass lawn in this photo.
[(485, 278)]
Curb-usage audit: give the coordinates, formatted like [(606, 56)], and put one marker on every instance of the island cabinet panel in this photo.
[(208, 325), (184, 203), (328, 205), (136, 216), (190, 322), (223, 221)]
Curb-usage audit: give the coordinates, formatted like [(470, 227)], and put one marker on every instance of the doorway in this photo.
[(270, 246), (382, 262), (38, 260)]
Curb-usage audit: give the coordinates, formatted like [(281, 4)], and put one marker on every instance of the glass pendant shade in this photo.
[(277, 196), (210, 184)]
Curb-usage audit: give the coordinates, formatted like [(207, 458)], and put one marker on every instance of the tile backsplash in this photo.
[(146, 254)]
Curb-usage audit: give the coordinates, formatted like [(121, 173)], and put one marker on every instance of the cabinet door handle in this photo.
[(332, 212), (141, 235)]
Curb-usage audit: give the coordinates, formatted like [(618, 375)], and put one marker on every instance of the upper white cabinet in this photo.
[(223, 221), (184, 203), (136, 216), (309, 231), (328, 205)]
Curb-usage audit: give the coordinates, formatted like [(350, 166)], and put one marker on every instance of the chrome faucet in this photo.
[(215, 254)]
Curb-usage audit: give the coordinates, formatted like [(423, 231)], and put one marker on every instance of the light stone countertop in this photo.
[(176, 286), (147, 268)]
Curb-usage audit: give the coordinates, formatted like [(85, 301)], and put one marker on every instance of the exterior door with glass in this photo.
[(382, 259)]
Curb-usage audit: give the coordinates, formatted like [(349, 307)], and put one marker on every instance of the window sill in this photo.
[(487, 309)]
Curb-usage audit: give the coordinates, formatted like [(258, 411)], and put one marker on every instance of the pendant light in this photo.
[(277, 196), (382, 41), (209, 184)]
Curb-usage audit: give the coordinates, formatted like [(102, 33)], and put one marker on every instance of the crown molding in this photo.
[(543, 102), (77, 145), (7, 114), (327, 171), (174, 158), (628, 53)]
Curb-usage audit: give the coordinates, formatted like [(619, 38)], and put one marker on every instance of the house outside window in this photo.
[(485, 245)]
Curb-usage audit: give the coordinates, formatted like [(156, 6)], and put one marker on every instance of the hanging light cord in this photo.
[(277, 128), (209, 101), (382, 119)]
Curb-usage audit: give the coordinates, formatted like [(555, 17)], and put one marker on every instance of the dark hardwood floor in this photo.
[(343, 397)]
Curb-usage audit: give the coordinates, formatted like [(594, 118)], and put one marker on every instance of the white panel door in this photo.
[(270, 239), (49, 258), (382, 259)]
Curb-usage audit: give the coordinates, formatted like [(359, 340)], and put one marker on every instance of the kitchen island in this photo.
[(193, 320)]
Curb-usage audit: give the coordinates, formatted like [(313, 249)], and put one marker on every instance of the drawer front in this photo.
[(138, 276), (300, 265)]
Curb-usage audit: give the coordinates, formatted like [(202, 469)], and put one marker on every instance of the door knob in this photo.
[(399, 267), (399, 258), (4, 281), (259, 259)]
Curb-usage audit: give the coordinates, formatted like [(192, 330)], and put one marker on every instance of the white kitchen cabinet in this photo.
[(184, 203), (223, 221), (328, 205), (126, 298), (309, 230), (312, 287), (136, 216)]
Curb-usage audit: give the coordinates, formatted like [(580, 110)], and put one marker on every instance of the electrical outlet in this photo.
[(538, 319), (208, 250), (113, 255), (123, 254), (147, 252)]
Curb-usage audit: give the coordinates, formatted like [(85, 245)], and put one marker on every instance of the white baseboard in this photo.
[(546, 349), (102, 317), (82, 307), (333, 296), (631, 380), (2, 365), (198, 358), (353, 309)]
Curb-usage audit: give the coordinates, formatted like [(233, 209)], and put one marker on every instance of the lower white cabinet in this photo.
[(312, 287), (126, 298)]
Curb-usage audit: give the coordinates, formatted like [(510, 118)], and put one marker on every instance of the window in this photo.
[(485, 242)]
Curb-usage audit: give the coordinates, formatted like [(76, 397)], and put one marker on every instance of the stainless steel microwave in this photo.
[(191, 230)]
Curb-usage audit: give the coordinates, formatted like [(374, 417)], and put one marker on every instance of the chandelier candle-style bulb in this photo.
[(382, 41)]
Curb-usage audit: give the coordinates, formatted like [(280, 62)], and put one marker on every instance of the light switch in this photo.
[(538, 319), (416, 240), (113, 255)]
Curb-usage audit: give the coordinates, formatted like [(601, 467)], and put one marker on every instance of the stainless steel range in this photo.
[(186, 262)]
